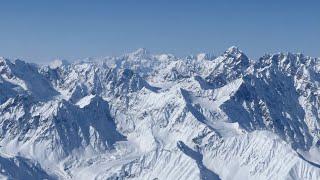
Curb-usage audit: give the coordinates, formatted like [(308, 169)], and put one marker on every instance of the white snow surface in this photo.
[(145, 116)]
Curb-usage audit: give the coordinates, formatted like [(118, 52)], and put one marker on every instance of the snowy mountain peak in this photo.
[(234, 50), (58, 63), (234, 56), (4, 65), (205, 56), (141, 52), (2, 60)]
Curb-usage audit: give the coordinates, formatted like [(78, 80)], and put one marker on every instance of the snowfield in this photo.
[(144, 116)]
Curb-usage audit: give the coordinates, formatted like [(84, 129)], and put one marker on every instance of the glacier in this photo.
[(147, 116)]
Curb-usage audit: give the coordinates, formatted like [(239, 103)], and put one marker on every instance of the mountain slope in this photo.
[(144, 116)]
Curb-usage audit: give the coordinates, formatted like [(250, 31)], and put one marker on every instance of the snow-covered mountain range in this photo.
[(144, 116)]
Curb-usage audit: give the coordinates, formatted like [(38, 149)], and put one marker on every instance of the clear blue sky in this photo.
[(43, 30)]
